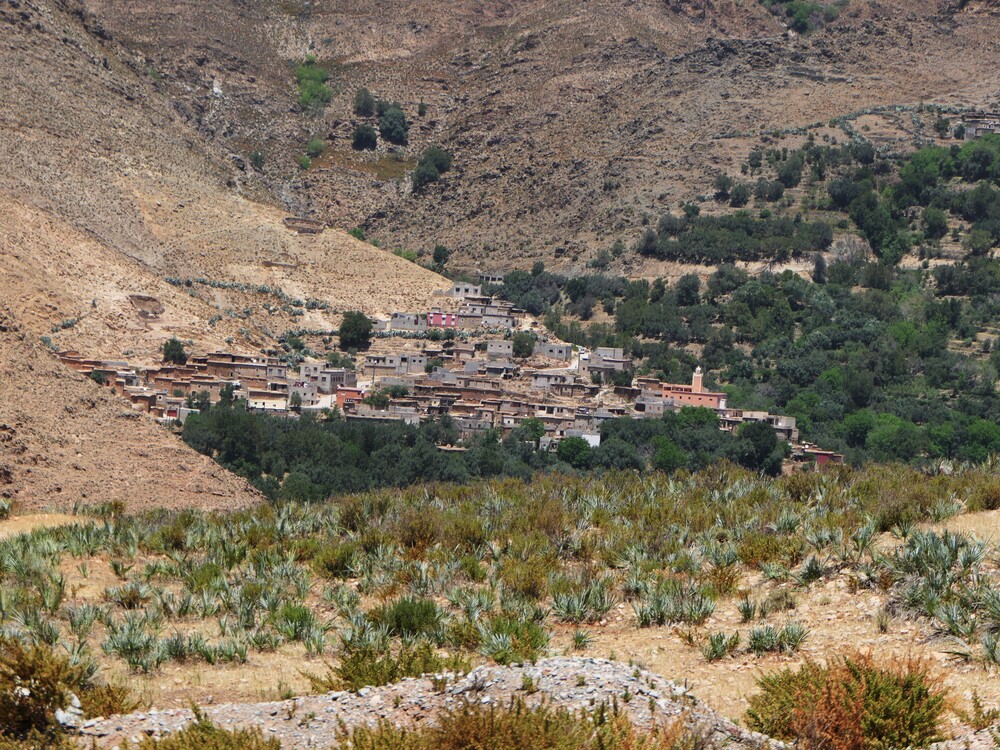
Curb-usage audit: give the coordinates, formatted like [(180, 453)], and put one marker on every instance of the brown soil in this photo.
[(65, 441)]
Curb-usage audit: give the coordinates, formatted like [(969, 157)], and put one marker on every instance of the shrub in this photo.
[(410, 617), (365, 138), (204, 735), (424, 175), (376, 664), (107, 700), (305, 162), (393, 126), (336, 560), (315, 147), (852, 704), (515, 726), (364, 103)]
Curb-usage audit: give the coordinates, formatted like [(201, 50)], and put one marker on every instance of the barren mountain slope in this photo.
[(568, 120), (106, 192), (65, 440)]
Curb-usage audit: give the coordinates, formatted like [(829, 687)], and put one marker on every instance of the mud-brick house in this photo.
[(552, 350), (694, 394)]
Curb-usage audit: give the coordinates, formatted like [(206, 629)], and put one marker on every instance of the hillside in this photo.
[(65, 441), (568, 122), (106, 193)]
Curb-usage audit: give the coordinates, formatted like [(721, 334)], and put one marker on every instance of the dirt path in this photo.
[(22, 524)]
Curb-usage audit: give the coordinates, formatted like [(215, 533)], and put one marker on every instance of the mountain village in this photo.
[(468, 372)]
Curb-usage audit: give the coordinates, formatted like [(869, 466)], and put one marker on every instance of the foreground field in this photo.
[(659, 571)]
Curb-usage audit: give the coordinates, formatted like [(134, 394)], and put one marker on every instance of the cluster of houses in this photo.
[(476, 311), (480, 387)]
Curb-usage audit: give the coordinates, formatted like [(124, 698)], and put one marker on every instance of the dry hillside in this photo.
[(106, 193), (569, 121), (108, 202), (66, 441)]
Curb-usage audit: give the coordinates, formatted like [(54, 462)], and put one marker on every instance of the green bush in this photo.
[(365, 138), (314, 94), (852, 704), (393, 126), (315, 147)]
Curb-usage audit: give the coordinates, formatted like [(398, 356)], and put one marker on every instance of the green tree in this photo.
[(740, 194), (819, 269), (364, 103), (174, 351), (355, 330), (757, 448), (365, 138), (575, 451), (441, 255), (667, 456), (201, 400), (393, 126), (524, 344), (935, 222)]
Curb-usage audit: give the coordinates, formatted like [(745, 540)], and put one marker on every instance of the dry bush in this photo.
[(34, 684), (107, 700), (855, 703), (203, 735), (474, 726)]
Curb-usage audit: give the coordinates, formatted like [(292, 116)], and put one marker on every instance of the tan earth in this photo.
[(66, 442)]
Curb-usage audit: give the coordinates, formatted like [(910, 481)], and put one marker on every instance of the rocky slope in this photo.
[(65, 441), (569, 122)]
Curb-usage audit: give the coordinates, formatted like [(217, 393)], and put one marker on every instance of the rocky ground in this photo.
[(574, 684), (569, 122)]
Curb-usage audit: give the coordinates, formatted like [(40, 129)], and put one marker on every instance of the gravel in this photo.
[(314, 721)]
